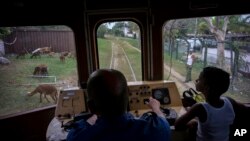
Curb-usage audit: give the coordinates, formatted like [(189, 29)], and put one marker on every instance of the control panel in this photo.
[(165, 92), (71, 102)]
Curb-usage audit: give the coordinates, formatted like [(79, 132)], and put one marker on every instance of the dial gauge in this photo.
[(166, 100), (158, 94)]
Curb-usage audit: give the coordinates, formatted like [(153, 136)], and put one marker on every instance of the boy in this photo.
[(216, 114)]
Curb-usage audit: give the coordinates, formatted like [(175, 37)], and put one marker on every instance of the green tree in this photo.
[(179, 29), (118, 29), (102, 30), (4, 31), (218, 27), (135, 28)]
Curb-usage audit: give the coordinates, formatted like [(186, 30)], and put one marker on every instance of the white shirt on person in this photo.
[(217, 125), (190, 60)]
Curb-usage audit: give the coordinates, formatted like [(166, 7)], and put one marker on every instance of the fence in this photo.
[(29, 40)]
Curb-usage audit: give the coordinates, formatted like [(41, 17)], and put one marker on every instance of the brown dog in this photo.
[(45, 89)]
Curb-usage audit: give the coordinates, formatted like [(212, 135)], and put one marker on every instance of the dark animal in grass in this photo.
[(65, 53), (41, 69), (62, 58)]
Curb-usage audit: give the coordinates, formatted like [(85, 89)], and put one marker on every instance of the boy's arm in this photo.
[(196, 110)]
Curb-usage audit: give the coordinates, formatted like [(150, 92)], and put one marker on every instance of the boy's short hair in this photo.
[(217, 79)]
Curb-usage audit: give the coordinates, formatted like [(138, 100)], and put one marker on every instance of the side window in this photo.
[(34, 60), (221, 41), (119, 48)]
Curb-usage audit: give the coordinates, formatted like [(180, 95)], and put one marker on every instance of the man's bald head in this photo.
[(107, 92)]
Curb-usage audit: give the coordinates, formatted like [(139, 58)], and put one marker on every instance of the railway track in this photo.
[(120, 60)]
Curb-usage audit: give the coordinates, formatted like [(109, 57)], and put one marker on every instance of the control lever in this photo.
[(169, 113), (165, 111)]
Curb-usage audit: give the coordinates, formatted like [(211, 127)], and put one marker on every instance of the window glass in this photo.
[(33, 60), (119, 48), (222, 41)]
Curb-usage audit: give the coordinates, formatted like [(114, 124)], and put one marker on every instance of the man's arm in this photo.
[(159, 126), (155, 106)]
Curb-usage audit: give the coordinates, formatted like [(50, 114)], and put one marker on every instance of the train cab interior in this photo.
[(49, 47)]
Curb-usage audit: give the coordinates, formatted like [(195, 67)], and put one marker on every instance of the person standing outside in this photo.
[(189, 65)]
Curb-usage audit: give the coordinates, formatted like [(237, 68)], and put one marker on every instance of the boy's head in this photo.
[(107, 92), (214, 81)]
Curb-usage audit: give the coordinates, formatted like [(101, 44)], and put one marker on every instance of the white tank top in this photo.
[(217, 125), (189, 60)]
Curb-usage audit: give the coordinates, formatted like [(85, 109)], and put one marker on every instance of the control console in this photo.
[(72, 101), (164, 91)]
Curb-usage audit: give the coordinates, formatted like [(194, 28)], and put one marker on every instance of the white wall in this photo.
[(212, 55)]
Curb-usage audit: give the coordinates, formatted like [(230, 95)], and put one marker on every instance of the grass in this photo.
[(132, 42), (104, 50), (16, 82)]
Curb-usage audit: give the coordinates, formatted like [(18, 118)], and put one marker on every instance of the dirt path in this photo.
[(179, 79)]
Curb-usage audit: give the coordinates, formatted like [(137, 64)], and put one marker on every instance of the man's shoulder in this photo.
[(156, 122), (158, 129)]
